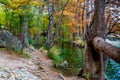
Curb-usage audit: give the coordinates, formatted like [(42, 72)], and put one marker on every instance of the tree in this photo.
[(49, 35), (17, 12), (24, 27), (96, 47)]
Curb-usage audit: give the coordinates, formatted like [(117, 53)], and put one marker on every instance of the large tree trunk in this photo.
[(96, 47), (93, 66), (94, 63)]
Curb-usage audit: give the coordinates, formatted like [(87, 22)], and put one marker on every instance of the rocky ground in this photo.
[(39, 67), (16, 74)]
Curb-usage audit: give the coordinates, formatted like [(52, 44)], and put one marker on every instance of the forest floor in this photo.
[(39, 65)]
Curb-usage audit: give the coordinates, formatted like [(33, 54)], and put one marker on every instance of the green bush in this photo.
[(26, 54), (74, 58), (64, 53), (31, 41), (54, 55)]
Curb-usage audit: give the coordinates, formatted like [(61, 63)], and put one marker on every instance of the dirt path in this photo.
[(39, 65)]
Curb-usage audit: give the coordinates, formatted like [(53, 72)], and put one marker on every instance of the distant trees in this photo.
[(17, 15)]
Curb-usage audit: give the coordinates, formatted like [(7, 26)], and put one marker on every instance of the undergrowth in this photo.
[(54, 54), (25, 54), (66, 59)]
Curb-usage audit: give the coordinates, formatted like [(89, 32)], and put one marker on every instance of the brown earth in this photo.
[(39, 65)]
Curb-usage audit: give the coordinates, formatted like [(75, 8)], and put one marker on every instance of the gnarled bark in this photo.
[(111, 51), (96, 46), (94, 62)]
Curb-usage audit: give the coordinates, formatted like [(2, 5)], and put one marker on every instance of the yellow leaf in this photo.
[(36, 3)]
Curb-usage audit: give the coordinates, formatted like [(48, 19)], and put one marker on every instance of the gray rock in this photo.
[(17, 74), (10, 41)]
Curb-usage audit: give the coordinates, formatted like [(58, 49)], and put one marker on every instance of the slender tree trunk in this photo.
[(77, 15), (26, 32), (24, 29), (83, 27), (49, 35), (87, 12)]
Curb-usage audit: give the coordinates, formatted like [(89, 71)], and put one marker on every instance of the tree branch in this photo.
[(111, 51)]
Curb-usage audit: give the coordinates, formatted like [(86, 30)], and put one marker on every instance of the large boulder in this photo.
[(10, 41)]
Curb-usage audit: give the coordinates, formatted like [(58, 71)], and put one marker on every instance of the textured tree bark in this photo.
[(25, 36), (49, 35), (24, 30), (111, 51), (94, 63), (96, 47)]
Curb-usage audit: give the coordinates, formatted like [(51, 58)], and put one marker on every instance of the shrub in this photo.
[(54, 55)]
